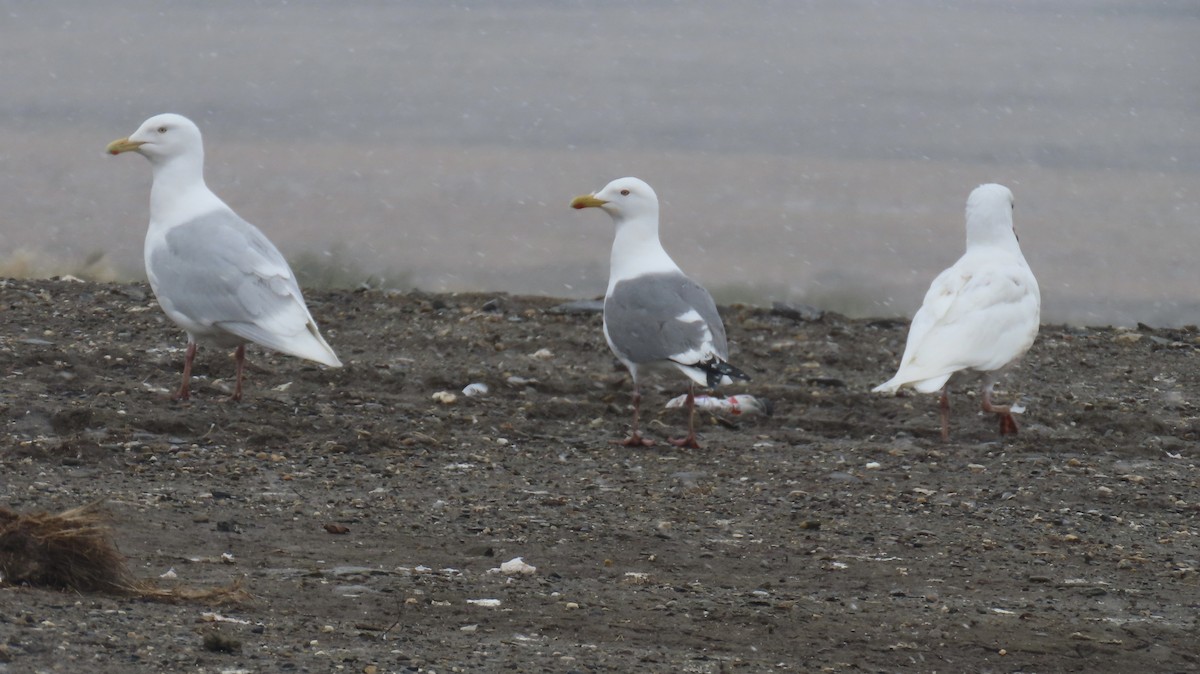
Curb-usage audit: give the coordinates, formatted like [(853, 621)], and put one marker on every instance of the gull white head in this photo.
[(162, 138), (636, 249), (624, 199), (990, 216), (172, 144)]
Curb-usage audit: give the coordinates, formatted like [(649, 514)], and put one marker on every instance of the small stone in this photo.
[(217, 642)]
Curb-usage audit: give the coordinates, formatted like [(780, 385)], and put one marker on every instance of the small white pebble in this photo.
[(542, 354), (873, 465), (515, 566), (476, 389), (445, 397), (488, 603)]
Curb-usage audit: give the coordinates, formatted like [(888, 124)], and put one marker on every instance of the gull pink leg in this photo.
[(1008, 424), (185, 388), (690, 441), (944, 405), (240, 356), (635, 439)]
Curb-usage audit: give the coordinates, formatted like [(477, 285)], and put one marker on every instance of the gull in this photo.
[(655, 317), (216, 275), (980, 315)]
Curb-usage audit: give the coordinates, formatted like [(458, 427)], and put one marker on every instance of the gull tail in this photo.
[(324, 354)]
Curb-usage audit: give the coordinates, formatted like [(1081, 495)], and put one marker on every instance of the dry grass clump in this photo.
[(74, 550), (25, 263)]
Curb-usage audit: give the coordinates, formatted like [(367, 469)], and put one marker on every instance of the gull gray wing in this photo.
[(219, 271), (663, 316)]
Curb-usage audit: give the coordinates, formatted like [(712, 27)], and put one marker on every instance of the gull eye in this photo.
[(624, 193), (162, 129)]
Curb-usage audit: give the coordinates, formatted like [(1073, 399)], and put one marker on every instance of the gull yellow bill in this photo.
[(587, 201), (123, 145)]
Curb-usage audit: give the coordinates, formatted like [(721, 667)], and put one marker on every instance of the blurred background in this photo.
[(817, 151)]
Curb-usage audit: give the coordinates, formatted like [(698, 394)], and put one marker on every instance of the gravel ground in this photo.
[(369, 520)]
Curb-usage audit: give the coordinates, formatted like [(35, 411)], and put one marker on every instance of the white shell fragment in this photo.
[(445, 397), (517, 566), (488, 603), (476, 389), (211, 617)]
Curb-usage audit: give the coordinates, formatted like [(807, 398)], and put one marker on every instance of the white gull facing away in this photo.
[(980, 315)]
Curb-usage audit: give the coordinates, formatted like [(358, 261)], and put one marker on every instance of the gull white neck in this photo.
[(179, 192), (637, 250)]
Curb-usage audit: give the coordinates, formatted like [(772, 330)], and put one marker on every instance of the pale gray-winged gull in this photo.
[(655, 317), (215, 274), (980, 315)]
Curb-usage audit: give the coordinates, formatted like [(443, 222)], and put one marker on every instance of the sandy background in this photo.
[(818, 151)]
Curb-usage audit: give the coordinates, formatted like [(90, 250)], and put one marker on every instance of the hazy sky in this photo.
[(802, 150)]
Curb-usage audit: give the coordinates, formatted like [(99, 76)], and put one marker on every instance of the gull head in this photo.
[(990, 197), (623, 199), (160, 138), (990, 214)]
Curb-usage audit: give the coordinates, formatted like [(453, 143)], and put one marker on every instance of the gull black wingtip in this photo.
[(715, 370)]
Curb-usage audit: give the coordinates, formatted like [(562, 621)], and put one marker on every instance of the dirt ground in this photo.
[(367, 518)]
